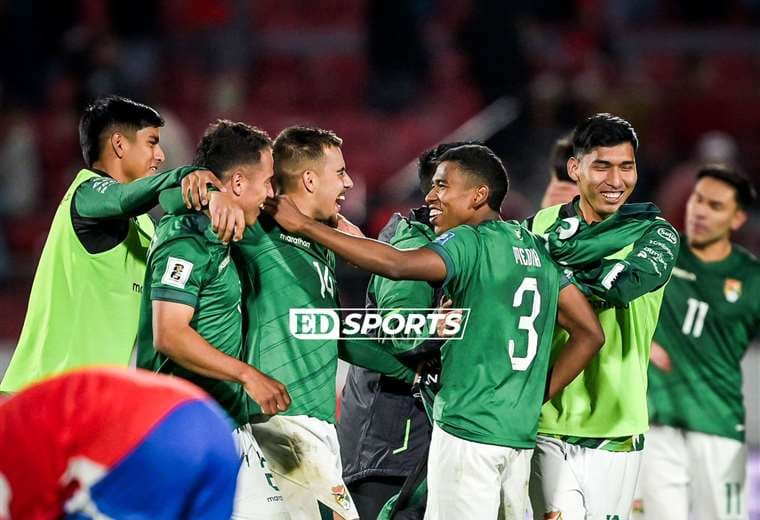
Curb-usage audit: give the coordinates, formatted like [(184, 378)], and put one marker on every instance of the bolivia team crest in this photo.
[(732, 289), (341, 497)]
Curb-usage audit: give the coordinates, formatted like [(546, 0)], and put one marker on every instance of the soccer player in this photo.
[(84, 304), (191, 324), (113, 443), (590, 435), (493, 381), (695, 458), (383, 431), (281, 271)]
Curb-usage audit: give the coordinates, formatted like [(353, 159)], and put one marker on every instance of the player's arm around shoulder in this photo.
[(104, 197), (368, 254), (575, 315)]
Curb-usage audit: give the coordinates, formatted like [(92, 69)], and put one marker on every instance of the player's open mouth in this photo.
[(434, 214), (338, 201), (612, 196)]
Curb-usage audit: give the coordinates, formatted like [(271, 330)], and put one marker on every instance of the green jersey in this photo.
[(85, 300), (392, 294), (284, 271), (710, 314), (493, 379), (188, 264), (608, 399)]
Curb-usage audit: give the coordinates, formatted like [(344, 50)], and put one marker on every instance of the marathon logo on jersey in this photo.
[(413, 324), (732, 289), (177, 272)]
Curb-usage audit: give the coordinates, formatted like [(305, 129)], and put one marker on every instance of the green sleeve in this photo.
[(367, 353), (177, 270), (645, 268), (103, 197), (458, 248), (399, 294), (172, 202)]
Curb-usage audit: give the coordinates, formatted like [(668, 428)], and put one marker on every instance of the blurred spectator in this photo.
[(20, 179)]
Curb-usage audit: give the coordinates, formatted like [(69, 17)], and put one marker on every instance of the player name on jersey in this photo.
[(526, 257)]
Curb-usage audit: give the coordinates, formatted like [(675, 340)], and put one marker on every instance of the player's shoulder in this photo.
[(190, 231), (748, 259)]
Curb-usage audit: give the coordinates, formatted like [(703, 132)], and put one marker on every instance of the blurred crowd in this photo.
[(392, 77)]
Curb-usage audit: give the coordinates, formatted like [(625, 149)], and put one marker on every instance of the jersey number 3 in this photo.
[(526, 323)]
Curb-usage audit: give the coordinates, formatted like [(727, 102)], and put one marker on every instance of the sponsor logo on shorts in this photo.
[(378, 324), (341, 496)]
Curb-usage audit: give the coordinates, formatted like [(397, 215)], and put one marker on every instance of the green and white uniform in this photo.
[(280, 271), (588, 453), (187, 264), (696, 457), (84, 305), (493, 379)]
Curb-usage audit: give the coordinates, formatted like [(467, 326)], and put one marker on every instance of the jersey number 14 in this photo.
[(526, 323)]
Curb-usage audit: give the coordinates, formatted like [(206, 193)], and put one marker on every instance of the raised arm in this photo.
[(103, 197), (371, 255), (576, 316)]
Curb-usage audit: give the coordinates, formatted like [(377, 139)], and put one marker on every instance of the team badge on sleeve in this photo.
[(177, 272), (732, 289), (444, 238)]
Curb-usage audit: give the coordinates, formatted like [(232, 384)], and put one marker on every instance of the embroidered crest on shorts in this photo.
[(341, 496), (177, 272)]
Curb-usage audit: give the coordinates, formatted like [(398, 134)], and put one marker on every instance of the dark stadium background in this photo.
[(391, 77)]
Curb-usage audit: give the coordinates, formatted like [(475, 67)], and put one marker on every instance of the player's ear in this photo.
[(738, 220), (309, 179), (480, 196), (573, 168), (237, 182), (118, 143)]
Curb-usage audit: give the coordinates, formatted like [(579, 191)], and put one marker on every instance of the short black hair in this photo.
[(227, 144), (109, 114), (603, 130), (428, 162), (296, 144), (561, 153), (745, 192), (481, 162)]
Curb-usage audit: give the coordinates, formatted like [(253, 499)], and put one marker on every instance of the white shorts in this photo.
[(304, 455), (582, 483), (257, 496), (684, 471), (472, 480)]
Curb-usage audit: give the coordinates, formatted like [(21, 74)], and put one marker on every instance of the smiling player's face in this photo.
[(450, 199), (255, 185), (605, 176), (333, 181)]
